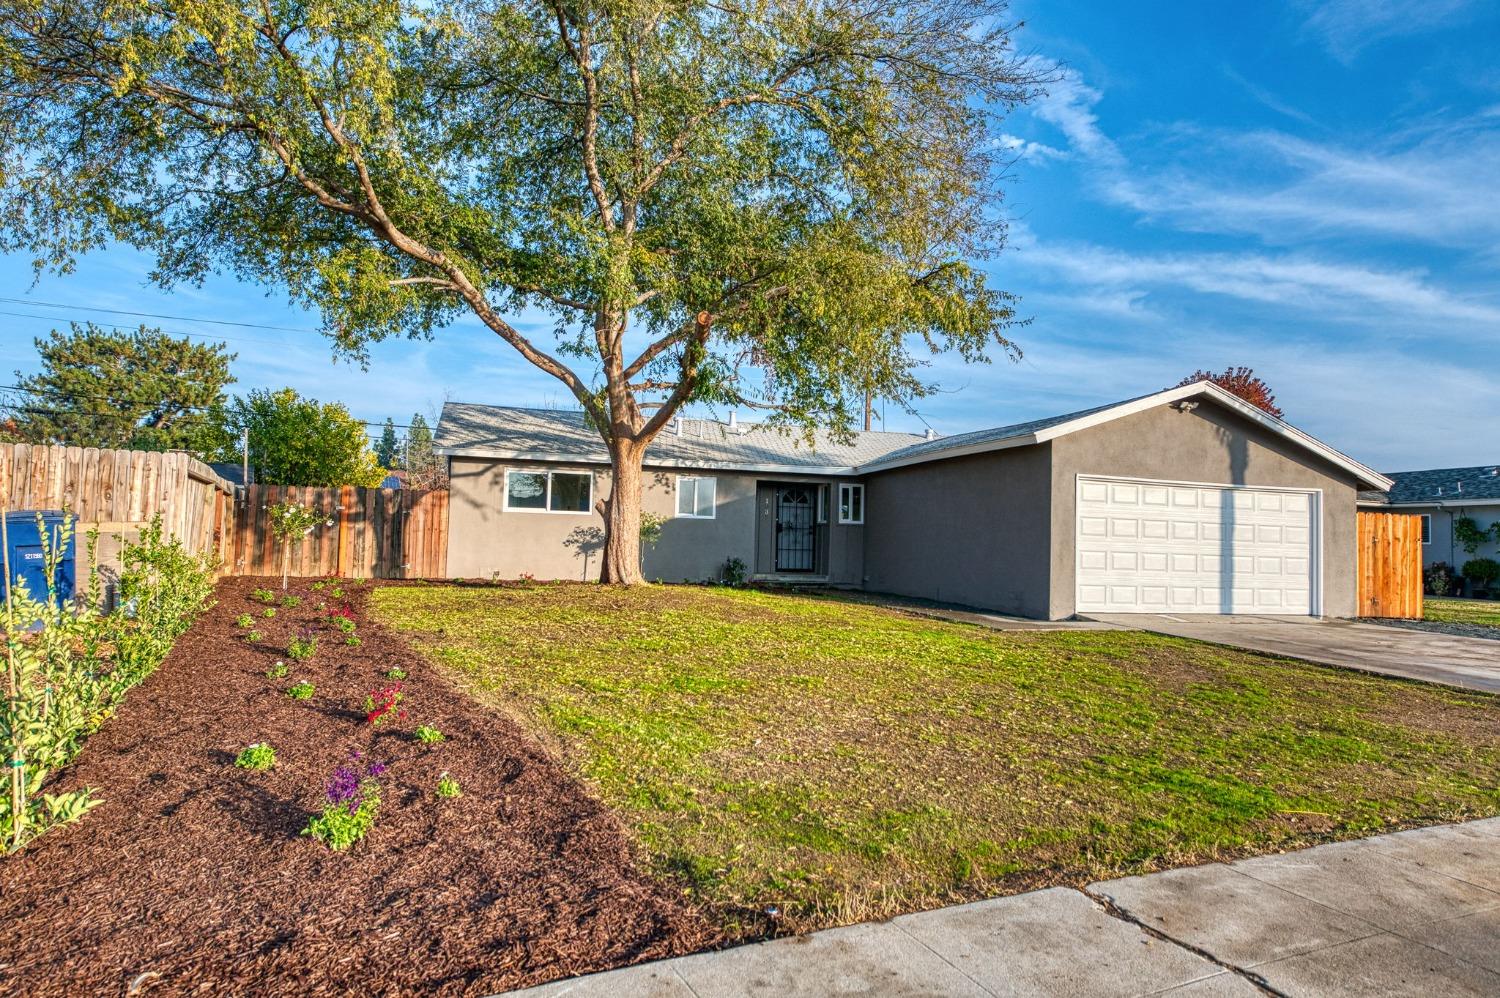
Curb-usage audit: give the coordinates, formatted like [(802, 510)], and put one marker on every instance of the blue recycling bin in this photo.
[(27, 559)]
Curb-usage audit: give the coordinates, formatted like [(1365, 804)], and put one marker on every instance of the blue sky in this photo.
[(1312, 189)]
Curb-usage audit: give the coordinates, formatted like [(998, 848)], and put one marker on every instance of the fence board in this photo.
[(1390, 565)]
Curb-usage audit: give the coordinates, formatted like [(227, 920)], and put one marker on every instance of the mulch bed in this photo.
[(192, 877), (1438, 627)]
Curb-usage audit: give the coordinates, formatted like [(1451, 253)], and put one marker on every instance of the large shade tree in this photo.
[(777, 205)]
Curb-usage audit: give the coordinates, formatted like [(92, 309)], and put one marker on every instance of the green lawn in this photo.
[(839, 761), (1484, 613)]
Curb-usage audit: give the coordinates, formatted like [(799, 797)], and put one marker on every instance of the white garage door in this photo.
[(1150, 547)]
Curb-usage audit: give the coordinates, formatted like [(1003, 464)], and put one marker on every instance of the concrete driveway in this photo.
[(1468, 663)]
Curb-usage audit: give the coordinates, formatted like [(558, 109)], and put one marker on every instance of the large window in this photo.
[(695, 497), (1426, 528), (549, 491), (851, 504)]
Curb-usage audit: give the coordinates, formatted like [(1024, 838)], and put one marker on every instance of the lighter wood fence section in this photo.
[(366, 533), (1390, 565), (122, 490)]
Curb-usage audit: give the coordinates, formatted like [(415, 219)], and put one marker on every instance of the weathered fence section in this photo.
[(365, 533), (1390, 565), (120, 491)]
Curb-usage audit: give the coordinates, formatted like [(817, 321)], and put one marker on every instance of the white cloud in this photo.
[(1345, 27), (1022, 149)]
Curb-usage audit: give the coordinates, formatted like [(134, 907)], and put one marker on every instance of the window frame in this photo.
[(1426, 528), (848, 488), (546, 506), (713, 507)]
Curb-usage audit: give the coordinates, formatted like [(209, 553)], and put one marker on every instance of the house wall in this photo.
[(1441, 546), (840, 546), (1212, 445), (968, 530), (487, 541)]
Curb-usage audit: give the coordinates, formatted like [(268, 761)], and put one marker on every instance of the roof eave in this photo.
[(765, 469)]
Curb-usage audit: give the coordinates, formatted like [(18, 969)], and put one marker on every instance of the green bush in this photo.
[(263, 595), (1482, 572), (259, 756), (74, 663), (395, 674), (301, 691), (270, 612), (277, 671), (428, 735), (244, 620), (303, 647), (448, 788), (290, 602)]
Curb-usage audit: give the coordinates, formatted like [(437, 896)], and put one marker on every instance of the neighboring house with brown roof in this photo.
[(1188, 500), (1441, 496)]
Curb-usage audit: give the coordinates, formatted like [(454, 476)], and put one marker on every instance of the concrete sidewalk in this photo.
[(1415, 913)]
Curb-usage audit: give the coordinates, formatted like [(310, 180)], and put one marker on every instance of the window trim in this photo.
[(713, 508), (847, 488), (546, 506), (1426, 528)]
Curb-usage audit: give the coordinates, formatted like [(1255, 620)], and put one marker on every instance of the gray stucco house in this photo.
[(1188, 500), (1441, 496)]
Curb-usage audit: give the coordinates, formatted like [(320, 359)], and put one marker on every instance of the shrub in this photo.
[(253, 636), (448, 788), (352, 641), (269, 612), (259, 756), (383, 703), (395, 674), (428, 735), (1437, 579), (1482, 572), (304, 646), (78, 664), (346, 626), (277, 671), (290, 602), (263, 595), (349, 812), (301, 691), (244, 620), (735, 572)]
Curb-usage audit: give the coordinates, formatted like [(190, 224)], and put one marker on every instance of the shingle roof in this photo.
[(1442, 484), (555, 434)]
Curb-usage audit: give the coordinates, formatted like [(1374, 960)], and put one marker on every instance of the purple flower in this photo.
[(344, 787), (375, 769)]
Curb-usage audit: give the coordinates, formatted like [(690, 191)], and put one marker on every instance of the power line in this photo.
[(154, 315), (75, 396), (171, 332)]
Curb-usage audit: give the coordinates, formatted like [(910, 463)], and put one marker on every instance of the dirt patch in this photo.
[(193, 877)]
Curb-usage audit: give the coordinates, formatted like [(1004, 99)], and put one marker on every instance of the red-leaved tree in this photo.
[(1240, 381)]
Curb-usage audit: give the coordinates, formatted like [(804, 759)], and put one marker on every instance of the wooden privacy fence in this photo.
[(365, 533), (1390, 565), (120, 491)]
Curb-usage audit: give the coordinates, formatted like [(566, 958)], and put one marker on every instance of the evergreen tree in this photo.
[(385, 450)]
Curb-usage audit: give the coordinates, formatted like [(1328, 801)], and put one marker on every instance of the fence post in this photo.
[(346, 554)]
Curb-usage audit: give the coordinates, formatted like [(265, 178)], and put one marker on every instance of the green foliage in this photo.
[(300, 441), (340, 825), (352, 641), (1471, 536), (385, 448), (142, 390), (74, 664), (302, 647), (395, 674), (346, 626), (277, 671), (301, 691), (735, 572), (1481, 572), (259, 756), (253, 636), (818, 182), (269, 612), (290, 602), (265, 596), (428, 735), (244, 620), (448, 788)]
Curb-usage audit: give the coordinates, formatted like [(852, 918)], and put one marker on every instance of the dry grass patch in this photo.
[(837, 761)]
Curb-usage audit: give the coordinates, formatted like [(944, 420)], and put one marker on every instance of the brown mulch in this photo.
[(192, 877)]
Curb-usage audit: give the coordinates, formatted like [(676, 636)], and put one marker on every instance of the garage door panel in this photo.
[(1144, 547)]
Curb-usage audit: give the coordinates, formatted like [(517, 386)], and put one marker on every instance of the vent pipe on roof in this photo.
[(734, 422), (931, 433), (677, 426)]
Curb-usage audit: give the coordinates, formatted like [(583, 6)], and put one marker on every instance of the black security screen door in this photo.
[(794, 529)]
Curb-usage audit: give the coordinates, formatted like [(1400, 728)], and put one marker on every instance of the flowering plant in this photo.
[(384, 702), (351, 799)]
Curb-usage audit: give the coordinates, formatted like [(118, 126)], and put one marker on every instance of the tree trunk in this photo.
[(622, 516)]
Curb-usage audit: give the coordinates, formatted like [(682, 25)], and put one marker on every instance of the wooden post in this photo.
[(346, 554)]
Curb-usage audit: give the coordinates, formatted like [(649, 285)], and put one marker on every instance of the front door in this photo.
[(795, 528)]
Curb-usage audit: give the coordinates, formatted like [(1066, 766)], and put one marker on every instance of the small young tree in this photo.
[(290, 523), (771, 205), (1239, 381)]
